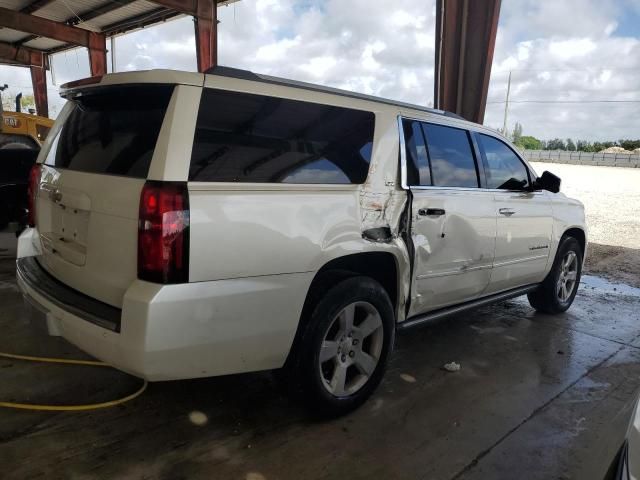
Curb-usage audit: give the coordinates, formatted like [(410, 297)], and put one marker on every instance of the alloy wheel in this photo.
[(351, 349), (568, 276)]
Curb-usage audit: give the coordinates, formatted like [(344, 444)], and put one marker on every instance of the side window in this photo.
[(452, 160), (504, 170), (242, 137), (418, 171)]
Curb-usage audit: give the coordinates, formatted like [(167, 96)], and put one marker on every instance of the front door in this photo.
[(453, 224), (523, 218), (453, 233)]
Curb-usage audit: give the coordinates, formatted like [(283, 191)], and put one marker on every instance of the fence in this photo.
[(583, 158)]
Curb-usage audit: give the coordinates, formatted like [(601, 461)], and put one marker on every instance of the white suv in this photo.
[(190, 225)]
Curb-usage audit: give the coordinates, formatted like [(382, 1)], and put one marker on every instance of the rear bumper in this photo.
[(170, 332), (29, 272)]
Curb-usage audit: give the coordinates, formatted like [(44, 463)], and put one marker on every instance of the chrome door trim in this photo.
[(519, 260), (454, 272)]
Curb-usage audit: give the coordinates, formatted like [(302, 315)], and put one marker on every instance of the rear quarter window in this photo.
[(112, 130), (250, 138)]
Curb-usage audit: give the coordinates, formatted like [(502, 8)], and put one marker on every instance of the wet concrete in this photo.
[(537, 396)]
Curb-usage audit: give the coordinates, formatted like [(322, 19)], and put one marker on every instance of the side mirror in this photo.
[(548, 181), (513, 184)]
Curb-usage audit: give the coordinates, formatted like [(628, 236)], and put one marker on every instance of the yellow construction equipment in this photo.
[(22, 130)]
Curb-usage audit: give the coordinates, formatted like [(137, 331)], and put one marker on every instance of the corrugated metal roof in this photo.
[(126, 12), (9, 36), (14, 4), (42, 43), (61, 11), (125, 16)]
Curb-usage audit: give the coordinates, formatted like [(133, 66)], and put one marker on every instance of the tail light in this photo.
[(163, 233), (32, 191)]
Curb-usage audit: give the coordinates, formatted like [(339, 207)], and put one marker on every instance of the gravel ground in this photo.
[(611, 197)]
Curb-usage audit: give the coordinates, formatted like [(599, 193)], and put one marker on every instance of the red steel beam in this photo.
[(17, 55), (43, 27), (39, 83), (465, 40), (206, 25), (97, 54), (38, 64)]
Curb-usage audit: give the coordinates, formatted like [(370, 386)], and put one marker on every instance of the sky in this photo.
[(572, 51)]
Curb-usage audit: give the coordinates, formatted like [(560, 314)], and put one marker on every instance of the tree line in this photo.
[(529, 142)]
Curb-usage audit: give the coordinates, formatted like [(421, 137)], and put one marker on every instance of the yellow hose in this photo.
[(66, 408)]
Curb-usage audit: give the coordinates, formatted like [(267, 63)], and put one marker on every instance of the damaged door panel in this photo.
[(453, 247), (453, 226)]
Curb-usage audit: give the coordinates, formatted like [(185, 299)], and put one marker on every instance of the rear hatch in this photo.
[(89, 192)]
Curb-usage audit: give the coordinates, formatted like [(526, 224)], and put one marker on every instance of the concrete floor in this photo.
[(538, 397)]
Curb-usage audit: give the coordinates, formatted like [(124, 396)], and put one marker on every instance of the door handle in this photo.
[(506, 211), (431, 212)]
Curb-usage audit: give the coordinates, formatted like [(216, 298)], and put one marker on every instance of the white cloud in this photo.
[(557, 50), (574, 54), (567, 49)]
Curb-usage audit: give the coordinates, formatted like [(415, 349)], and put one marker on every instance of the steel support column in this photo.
[(38, 63), (206, 26), (465, 40), (39, 83), (97, 53)]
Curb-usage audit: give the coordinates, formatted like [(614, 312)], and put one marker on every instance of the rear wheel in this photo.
[(558, 290), (340, 358)]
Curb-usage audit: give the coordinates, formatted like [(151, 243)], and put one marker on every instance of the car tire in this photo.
[(558, 290), (340, 356)]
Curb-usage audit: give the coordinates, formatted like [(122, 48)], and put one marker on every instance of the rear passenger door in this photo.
[(453, 223), (524, 217)]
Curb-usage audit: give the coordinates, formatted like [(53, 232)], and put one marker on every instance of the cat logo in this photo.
[(12, 122)]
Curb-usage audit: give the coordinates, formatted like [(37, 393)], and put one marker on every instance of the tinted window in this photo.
[(451, 156), (502, 167), (418, 171), (253, 138), (112, 131)]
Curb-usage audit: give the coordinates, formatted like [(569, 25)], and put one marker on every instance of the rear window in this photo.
[(452, 159), (259, 139), (112, 130)]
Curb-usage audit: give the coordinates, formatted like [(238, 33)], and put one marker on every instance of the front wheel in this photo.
[(558, 290), (341, 356)]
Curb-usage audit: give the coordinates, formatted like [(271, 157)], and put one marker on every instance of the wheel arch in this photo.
[(580, 235), (382, 266)]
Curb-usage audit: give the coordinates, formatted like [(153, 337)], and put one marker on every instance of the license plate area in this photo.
[(69, 214)]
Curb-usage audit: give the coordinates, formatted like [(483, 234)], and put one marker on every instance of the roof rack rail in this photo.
[(230, 72)]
